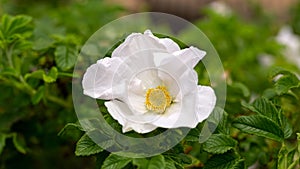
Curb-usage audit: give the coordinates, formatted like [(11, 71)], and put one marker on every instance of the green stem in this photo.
[(58, 101)]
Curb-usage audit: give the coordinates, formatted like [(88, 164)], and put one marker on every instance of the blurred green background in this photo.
[(40, 40)]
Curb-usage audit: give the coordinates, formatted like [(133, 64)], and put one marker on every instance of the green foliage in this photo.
[(85, 146), (259, 125), (227, 160), (152, 163), (114, 161), (219, 144)]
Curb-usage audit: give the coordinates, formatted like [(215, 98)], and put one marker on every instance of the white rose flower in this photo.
[(150, 82)]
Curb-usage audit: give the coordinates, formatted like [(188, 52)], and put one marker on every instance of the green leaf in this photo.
[(86, 146), (219, 143), (211, 123), (260, 126), (279, 70), (169, 164), (114, 161), (285, 83), (36, 98), (65, 57), (285, 126), (193, 135), (36, 74), (11, 25), (69, 126), (9, 72), (152, 163), (2, 141), (51, 76), (266, 108), (19, 143), (222, 161), (179, 159)]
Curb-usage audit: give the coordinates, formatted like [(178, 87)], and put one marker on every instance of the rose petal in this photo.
[(98, 79), (179, 114), (186, 77), (206, 101), (121, 112), (168, 43), (137, 42), (190, 56)]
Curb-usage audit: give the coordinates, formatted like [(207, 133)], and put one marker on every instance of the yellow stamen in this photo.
[(158, 99)]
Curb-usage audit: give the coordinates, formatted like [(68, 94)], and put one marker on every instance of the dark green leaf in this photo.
[(179, 159), (2, 141), (86, 146), (266, 108), (193, 135), (115, 161), (68, 127), (285, 83), (285, 126), (169, 164), (211, 124), (222, 161), (9, 72), (259, 125), (65, 57), (36, 98), (219, 143), (152, 163)]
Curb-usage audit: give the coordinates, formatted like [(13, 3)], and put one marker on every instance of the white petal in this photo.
[(137, 42), (121, 112), (139, 128), (169, 44), (179, 114), (190, 56), (98, 79), (185, 77), (206, 101)]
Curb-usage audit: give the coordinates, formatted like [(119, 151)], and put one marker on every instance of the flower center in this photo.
[(158, 99)]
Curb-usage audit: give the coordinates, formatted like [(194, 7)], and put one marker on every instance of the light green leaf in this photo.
[(260, 126), (51, 76), (2, 141), (11, 25), (65, 57), (152, 163), (286, 158), (219, 143), (115, 161), (36, 74), (86, 146), (222, 161), (19, 143)]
